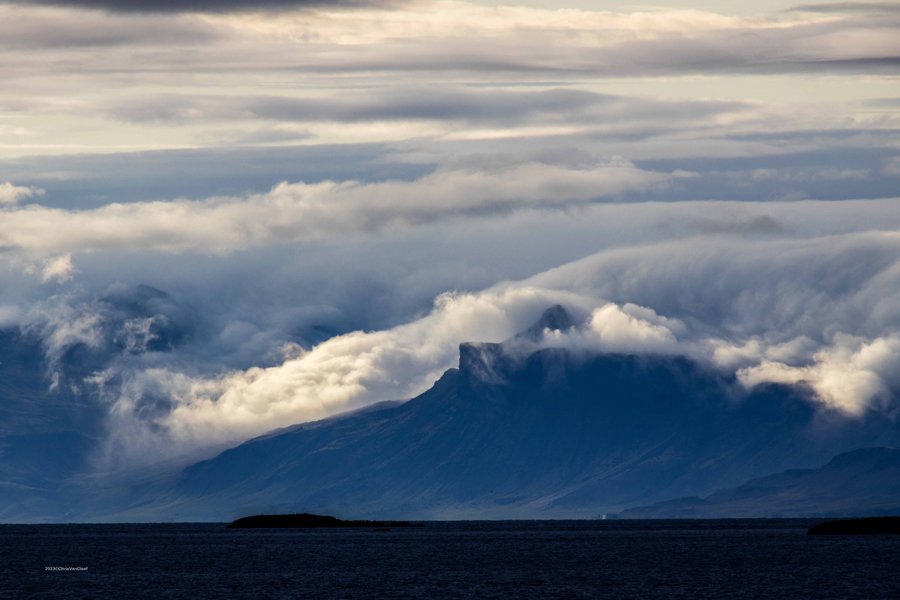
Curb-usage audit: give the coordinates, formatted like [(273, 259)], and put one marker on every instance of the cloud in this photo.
[(23, 30), (503, 40), (748, 224), (822, 313), (778, 311), (847, 7), (12, 194), (209, 6), (892, 167), (851, 375), (58, 269), (62, 322), (498, 108), (525, 75), (779, 288), (625, 329), (297, 212)]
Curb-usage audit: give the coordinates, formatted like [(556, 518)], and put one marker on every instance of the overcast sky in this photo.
[(333, 195)]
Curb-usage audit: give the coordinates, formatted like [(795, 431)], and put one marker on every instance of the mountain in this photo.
[(863, 482), (46, 432), (515, 432), (51, 421)]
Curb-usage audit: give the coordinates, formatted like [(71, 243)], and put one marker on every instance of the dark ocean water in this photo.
[(516, 559)]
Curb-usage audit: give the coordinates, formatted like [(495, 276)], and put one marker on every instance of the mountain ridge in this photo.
[(513, 433), (861, 482)]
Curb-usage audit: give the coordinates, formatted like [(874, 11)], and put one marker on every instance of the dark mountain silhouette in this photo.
[(516, 432), (858, 483)]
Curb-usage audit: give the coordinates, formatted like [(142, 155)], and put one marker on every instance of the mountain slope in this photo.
[(46, 434), (862, 482), (517, 434)]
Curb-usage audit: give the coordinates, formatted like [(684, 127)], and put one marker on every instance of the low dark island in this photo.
[(866, 526), (308, 521)]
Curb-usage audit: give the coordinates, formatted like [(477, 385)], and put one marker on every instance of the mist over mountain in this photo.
[(515, 431), (55, 372)]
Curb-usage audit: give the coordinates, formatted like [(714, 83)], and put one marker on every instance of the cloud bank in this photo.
[(316, 298), (822, 313), (297, 212)]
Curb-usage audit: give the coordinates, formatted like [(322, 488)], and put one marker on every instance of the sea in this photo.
[(696, 559)]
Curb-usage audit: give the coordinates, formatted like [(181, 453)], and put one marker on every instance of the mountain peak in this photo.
[(480, 361), (555, 318), (486, 362)]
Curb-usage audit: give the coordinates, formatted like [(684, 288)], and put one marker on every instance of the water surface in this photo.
[(514, 559)]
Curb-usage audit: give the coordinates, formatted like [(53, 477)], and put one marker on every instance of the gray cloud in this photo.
[(618, 115), (76, 181), (846, 7), (512, 41), (208, 6), (884, 102), (728, 166), (37, 31), (756, 225), (326, 210)]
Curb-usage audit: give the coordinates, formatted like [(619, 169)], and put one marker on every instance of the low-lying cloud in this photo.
[(822, 313)]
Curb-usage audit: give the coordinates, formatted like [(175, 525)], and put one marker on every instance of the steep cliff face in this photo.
[(515, 432)]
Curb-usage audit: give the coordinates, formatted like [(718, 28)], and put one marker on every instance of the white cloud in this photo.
[(300, 211), (625, 329), (59, 269), (12, 194), (851, 375), (61, 323)]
